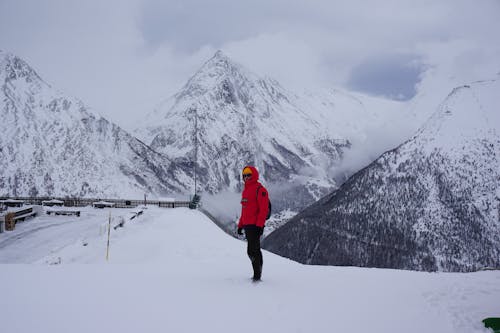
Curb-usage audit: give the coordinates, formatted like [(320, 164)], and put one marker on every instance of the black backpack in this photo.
[(268, 200)]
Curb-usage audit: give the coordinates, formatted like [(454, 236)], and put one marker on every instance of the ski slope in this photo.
[(173, 270)]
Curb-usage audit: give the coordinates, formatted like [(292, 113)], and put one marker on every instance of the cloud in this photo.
[(124, 57), (285, 49), (190, 25), (86, 49), (393, 76), (225, 206), (378, 140)]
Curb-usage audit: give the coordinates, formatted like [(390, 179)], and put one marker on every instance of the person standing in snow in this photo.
[(254, 210)]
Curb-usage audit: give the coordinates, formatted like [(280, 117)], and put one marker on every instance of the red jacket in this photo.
[(254, 206)]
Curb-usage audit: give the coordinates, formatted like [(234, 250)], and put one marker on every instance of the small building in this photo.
[(103, 204), (53, 202), (12, 203)]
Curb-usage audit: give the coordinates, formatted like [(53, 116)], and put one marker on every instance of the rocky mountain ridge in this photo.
[(430, 204), (54, 145)]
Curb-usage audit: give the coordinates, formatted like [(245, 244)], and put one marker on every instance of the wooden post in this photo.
[(10, 223), (109, 231)]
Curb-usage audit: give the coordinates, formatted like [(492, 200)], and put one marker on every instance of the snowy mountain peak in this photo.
[(240, 118), (220, 58), (222, 63), (218, 73), (467, 113), (51, 144), (13, 68)]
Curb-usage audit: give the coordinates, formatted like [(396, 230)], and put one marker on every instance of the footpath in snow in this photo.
[(173, 270)]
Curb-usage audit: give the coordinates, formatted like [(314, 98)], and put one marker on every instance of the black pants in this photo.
[(253, 250)]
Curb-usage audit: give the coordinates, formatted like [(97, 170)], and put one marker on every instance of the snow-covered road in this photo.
[(37, 238), (173, 270)]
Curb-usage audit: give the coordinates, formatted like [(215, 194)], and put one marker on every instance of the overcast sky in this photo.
[(123, 57)]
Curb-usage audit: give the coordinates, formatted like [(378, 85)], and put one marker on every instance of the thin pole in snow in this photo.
[(109, 231), (195, 146)]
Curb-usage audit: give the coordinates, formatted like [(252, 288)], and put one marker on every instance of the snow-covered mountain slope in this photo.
[(172, 270), (430, 204), (241, 118), (51, 144)]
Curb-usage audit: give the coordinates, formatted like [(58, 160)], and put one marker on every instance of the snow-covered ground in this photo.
[(173, 270)]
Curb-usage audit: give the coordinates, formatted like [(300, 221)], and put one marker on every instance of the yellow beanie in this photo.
[(247, 170)]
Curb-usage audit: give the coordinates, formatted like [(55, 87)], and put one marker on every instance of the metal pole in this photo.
[(195, 147)]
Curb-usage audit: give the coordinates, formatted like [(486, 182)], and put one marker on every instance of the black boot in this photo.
[(257, 269)]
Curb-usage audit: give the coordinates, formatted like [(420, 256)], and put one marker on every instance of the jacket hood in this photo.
[(255, 174)]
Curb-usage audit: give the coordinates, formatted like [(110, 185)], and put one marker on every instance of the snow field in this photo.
[(173, 270)]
